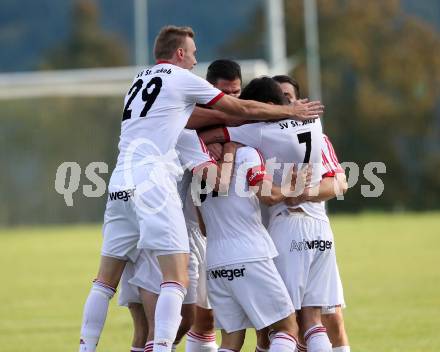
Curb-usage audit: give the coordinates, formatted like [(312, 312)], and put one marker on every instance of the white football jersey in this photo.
[(193, 155), (285, 142), (157, 108), (330, 162), (233, 222), (329, 168)]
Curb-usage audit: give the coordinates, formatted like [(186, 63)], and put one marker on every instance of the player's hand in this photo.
[(216, 150), (305, 109), (300, 184)]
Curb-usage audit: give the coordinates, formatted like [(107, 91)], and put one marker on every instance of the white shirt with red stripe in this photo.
[(156, 110), (233, 223), (193, 155), (329, 168), (330, 162), (285, 142)]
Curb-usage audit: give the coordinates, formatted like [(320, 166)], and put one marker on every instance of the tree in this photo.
[(381, 88), (88, 45)]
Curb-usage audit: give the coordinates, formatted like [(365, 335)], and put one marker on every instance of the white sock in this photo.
[(341, 349), (317, 339), (149, 346), (225, 350), (167, 316), (200, 343), (282, 342), (136, 349), (259, 349), (301, 348), (95, 312)]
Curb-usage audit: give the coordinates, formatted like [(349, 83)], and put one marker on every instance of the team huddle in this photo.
[(216, 213)]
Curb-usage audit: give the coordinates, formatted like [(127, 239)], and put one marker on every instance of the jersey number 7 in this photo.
[(148, 98), (306, 138)]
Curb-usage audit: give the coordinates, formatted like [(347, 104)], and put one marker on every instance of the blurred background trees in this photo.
[(381, 84), (380, 81)]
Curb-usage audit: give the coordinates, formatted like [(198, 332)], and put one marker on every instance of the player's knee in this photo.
[(287, 325), (263, 341), (204, 321)]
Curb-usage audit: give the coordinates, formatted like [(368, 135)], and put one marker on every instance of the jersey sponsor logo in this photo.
[(320, 245), (230, 274), (122, 195)]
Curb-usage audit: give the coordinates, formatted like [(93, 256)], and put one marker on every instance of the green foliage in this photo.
[(88, 45), (380, 79), (39, 135)]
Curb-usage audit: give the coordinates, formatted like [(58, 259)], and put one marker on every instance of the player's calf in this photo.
[(140, 327), (169, 304), (186, 323), (334, 323), (95, 313), (96, 307)]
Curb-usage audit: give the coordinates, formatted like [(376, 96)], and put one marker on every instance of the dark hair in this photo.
[(290, 80), (264, 89), (223, 69), (169, 39)]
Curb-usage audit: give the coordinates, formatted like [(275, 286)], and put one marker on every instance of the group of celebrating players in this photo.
[(222, 223)]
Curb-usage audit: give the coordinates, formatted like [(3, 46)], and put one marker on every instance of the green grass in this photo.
[(389, 265)]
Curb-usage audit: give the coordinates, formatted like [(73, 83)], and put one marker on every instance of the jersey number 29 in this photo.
[(148, 98)]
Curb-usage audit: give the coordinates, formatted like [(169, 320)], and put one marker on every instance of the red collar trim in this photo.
[(162, 62)]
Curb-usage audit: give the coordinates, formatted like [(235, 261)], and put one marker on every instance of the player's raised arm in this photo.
[(250, 109), (202, 118)]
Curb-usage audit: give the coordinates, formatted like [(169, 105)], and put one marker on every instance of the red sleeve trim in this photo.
[(203, 165), (215, 99), (226, 134), (328, 174), (256, 175)]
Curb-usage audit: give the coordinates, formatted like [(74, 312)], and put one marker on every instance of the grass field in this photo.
[(390, 266)]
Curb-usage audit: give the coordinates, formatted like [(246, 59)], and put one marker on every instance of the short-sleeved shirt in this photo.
[(193, 155), (285, 142), (233, 223), (156, 110)]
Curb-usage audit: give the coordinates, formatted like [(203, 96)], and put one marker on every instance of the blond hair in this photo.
[(169, 39)]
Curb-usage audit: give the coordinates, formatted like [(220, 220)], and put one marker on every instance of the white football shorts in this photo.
[(198, 255), (247, 295), (307, 259), (128, 293), (147, 275), (144, 211)]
